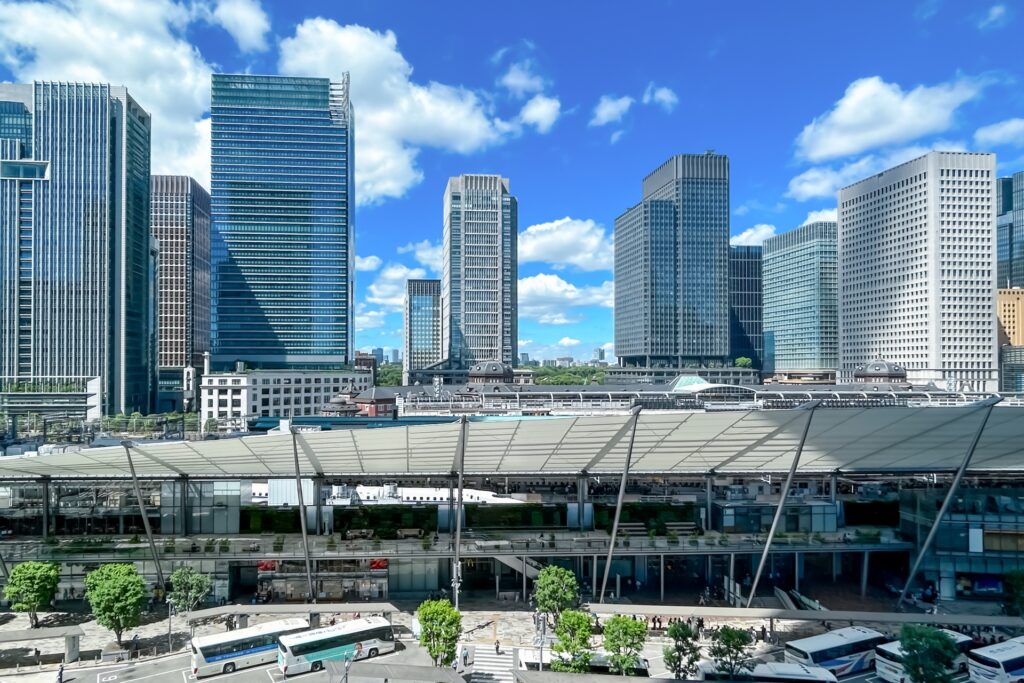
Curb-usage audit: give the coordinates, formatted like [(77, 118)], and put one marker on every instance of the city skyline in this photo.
[(517, 102)]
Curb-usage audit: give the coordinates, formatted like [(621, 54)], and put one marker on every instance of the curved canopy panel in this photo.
[(867, 440)]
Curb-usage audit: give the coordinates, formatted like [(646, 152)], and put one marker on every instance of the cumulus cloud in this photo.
[(995, 17), (611, 109), (546, 298), (616, 136), (873, 113), (525, 342), (1008, 132), (388, 289), (828, 215), (541, 112), (368, 263), (661, 96), (246, 21), (567, 242), (369, 319), (396, 116), (568, 341), (138, 44), (753, 237), (426, 254), (520, 80)]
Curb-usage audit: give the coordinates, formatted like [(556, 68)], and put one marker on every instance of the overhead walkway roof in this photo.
[(844, 440)]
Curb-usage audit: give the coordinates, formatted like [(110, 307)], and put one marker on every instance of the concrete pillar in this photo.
[(318, 501), (593, 580), (833, 483), (70, 649), (46, 506), (796, 571), (581, 500), (524, 578), (497, 582), (707, 569), (708, 495), (732, 567), (661, 575), (184, 512), (243, 620), (314, 620), (451, 505), (864, 574)]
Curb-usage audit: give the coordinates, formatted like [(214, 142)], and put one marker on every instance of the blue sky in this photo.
[(573, 101)]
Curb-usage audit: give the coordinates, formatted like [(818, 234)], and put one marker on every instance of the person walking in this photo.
[(60, 673), (497, 647)]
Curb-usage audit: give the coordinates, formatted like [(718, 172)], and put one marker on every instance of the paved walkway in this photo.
[(489, 667)]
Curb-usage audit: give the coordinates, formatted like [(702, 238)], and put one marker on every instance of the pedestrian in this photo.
[(465, 656), (764, 634), (60, 673), (497, 647)]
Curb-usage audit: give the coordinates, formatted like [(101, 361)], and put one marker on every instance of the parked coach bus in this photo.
[(356, 639), (225, 652), (843, 651)]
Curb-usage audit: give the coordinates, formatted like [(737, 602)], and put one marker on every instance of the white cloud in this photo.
[(426, 254), (246, 21), (830, 215), (1008, 132), (567, 242), (825, 181), (996, 17), (611, 109), (545, 298), (609, 347), (568, 341), (369, 319), (367, 264), (541, 112), (525, 342), (753, 237), (520, 79), (396, 116), (661, 96), (873, 113), (616, 136), (388, 290), (138, 44)]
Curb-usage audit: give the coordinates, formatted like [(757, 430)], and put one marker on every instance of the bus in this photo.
[(889, 657), (999, 663), (225, 652), (843, 651), (599, 663), (355, 639), (772, 672)]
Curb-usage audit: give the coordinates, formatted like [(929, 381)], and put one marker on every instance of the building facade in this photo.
[(283, 221), (1010, 231), (672, 267), (479, 303), (917, 261), (180, 222), (801, 302), (745, 304), (76, 257), (422, 325)]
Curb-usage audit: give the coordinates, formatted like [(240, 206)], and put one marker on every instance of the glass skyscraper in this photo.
[(422, 325), (745, 338), (283, 205), (1010, 231), (76, 258), (672, 267), (801, 300)]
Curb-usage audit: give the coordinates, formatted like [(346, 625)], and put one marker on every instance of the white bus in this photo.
[(225, 652), (999, 663), (355, 639), (889, 657), (599, 662), (771, 672), (843, 651)]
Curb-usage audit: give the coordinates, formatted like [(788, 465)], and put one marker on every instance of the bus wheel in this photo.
[(317, 666), (373, 652), (229, 668)]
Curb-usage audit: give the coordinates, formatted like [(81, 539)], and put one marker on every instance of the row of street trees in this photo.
[(115, 592)]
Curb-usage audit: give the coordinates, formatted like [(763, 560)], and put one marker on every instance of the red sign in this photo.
[(266, 566), (378, 564)]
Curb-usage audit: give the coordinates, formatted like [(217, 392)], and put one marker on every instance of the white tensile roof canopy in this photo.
[(851, 440)]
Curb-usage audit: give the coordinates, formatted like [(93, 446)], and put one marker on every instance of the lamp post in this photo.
[(170, 613)]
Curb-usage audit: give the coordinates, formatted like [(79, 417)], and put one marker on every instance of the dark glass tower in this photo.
[(422, 325), (283, 226), (745, 338), (1010, 231)]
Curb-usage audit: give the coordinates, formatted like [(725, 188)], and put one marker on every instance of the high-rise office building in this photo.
[(180, 221), (378, 355), (1010, 311), (524, 358), (395, 356), (672, 266), (801, 303), (283, 221), (598, 354), (479, 318), (422, 325), (745, 304), (917, 260), (1010, 231), (76, 257)]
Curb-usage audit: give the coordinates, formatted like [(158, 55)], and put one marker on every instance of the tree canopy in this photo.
[(115, 593), (1013, 593), (683, 654), (624, 640), (555, 590), (928, 654), (31, 587), (573, 632), (389, 375), (730, 651), (188, 588), (743, 362), (564, 376), (440, 628)]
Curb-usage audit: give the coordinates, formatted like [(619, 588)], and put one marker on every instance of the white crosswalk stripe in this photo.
[(488, 666)]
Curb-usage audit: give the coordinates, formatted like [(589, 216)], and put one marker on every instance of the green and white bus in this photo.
[(231, 650), (356, 639)]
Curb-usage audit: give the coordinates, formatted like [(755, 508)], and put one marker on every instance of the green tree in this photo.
[(115, 592), (743, 362), (624, 640), (928, 654), (573, 633), (555, 590), (440, 628), (389, 375), (730, 651), (188, 588), (1013, 593), (31, 587), (210, 425), (682, 656)]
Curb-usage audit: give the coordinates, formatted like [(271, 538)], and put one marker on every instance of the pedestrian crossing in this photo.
[(489, 667)]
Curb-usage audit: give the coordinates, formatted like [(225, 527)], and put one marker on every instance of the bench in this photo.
[(353, 534), (410, 533)]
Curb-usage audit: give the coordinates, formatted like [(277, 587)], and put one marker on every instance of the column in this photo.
[(524, 579), (661, 574), (581, 500), (864, 574), (70, 649), (593, 581), (796, 571), (243, 620), (833, 482), (46, 506), (709, 495), (184, 513), (318, 501)]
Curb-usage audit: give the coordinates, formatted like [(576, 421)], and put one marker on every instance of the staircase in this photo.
[(532, 568)]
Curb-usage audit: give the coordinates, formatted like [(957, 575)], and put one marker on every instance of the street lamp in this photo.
[(170, 613), (348, 665)]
